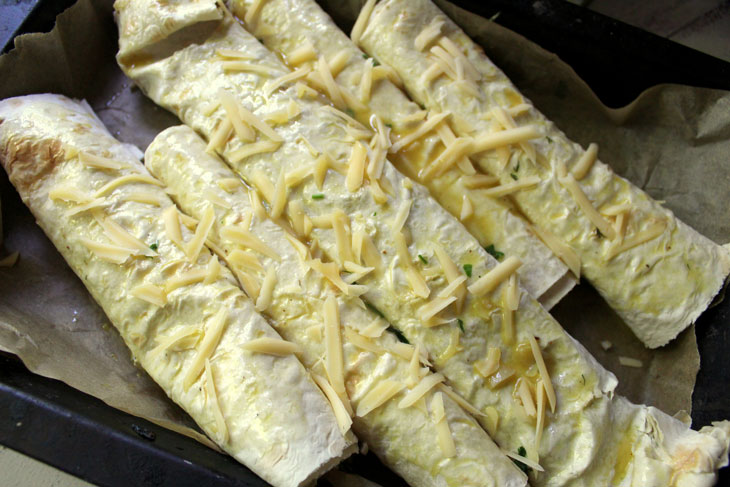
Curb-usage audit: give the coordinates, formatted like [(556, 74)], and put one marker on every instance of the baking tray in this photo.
[(81, 435)]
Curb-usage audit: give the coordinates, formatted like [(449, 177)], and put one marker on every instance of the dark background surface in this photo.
[(79, 434)]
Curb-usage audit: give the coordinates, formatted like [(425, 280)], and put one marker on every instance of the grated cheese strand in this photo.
[(275, 84), (416, 393), (434, 307), (561, 249), (495, 276), (490, 364), (302, 54), (511, 187), (176, 338), (586, 206), (244, 67), (172, 225), (427, 126), (267, 289), (362, 21), (585, 163), (252, 149), (185, 279), (220, 422), (334, 363), (356, 167), (344, 421), (547, 383), (212, 334), (195, 245), (232, 108), (99, 162), (650, 233), (630, 362), (429, 34), (220, 135), (540, 423), (110, 253), (128, 179), (366, 81), (377, 396), (252, 12), (402, 215), (479, 181), (150, 293), (446, 441), (280, 197), (332, 88), (467, 208), (272, 346), (414, 366), (502, 138), (522, 391)]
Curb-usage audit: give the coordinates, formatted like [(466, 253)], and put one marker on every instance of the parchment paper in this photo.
[(673, 141)]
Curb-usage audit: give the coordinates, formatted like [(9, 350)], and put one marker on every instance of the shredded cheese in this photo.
[(258, 124), (172, 225), (211, 337), (377, 396), (342, 237), (493, 140), (561, 249), (467, 208), (434, 307), (272, 346), (630, 362), (233, 110), (220, 422), (452, 288), (402, 215), (456, 151), (525, 460), (446, 441), (263, 301), (128, 179), (375, 329), (585, 163), (110, 253), (99, 162), (233, 54), (429, 34), (490, 364), (248, 150), (479, 181), (356, 168), (185, 279), (361, 342), (244, 67), (362, 21), (414, 366), (229, 185), (339, 61), (242, 236), (511, 187), (366, 81), (586, 206), (420, 390), (344, 421), (195, 245), (249, 284), (547, 383), (185, 337), (280, 197), (142, 197), (492, 420), (540, 423), (427, 126), (334, 363), (495, 276), (244, 260), (333, 90), (252, 12), (120, 237), (220, 135), (150, 293), (68, 193), (302, 54), (452, 274), (522, 391), (653, 231)]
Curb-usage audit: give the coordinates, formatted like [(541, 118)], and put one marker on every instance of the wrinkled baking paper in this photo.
[(50, 321)]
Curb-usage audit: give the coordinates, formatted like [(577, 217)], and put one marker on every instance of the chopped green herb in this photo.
[(461, 324), (423, 107), (398, 334), (365, 56), (375, 213), (598, 233), (350, 112), (467, 270), (375, 62), (584, 379), (317, 196), (549, 139), (523, 453), (422, 259), (514, 176), (517, 167), (494, 252), (374, 309), (389, 125), (154, 246)]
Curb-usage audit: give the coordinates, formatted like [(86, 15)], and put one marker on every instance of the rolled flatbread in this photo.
[(178, 310)]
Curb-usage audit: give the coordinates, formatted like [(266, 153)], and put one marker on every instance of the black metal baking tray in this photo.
[(81, 435)]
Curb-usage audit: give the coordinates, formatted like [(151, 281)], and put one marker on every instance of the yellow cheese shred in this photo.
[(248, 150), (490, 364), (243, 66), (431, 122), (185, 337), (479, 181), (99, 162), (233, 54), (344, 421), (630, 362), (263, 301), (547, 383), (128, 179), (377, 396), (414, 366), (195, 245), (366, 81), (434, 307), (220, 135), (467, 208), (339, 61), (362, 342), (495, 276), (401, 215), (342, 237), (334, 363), (220, 422), (68, 193), (263, 184), (233, 110), (244, 260), (302, 54), (540, 423), (561, 249), (585, 163), (356, 167), (211, 337), (119, 236), (362, 21), (416, 393), (452, 274), (252, 12), (150, 293), (586, 206), (653, 231), (493, 140), (446, 441), (271, 346), (185, 279), (229, 185), (110, 253), (333, 90), (511, 187), (429, 34), (533, 465), (172, 225), (242, 236), (280, 197), (522, 391)]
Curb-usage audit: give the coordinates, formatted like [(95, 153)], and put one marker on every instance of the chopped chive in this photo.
[(317, 196), (422, 259), (494, 252), (375, 62), (350, 112), (389, 125), (375, 213), (461, 324), (517, 167), (549, 139), (513, 175), (154, 246), (467, 270), (365, 56)]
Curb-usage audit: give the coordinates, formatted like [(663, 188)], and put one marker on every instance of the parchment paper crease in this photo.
[(673, 141)]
